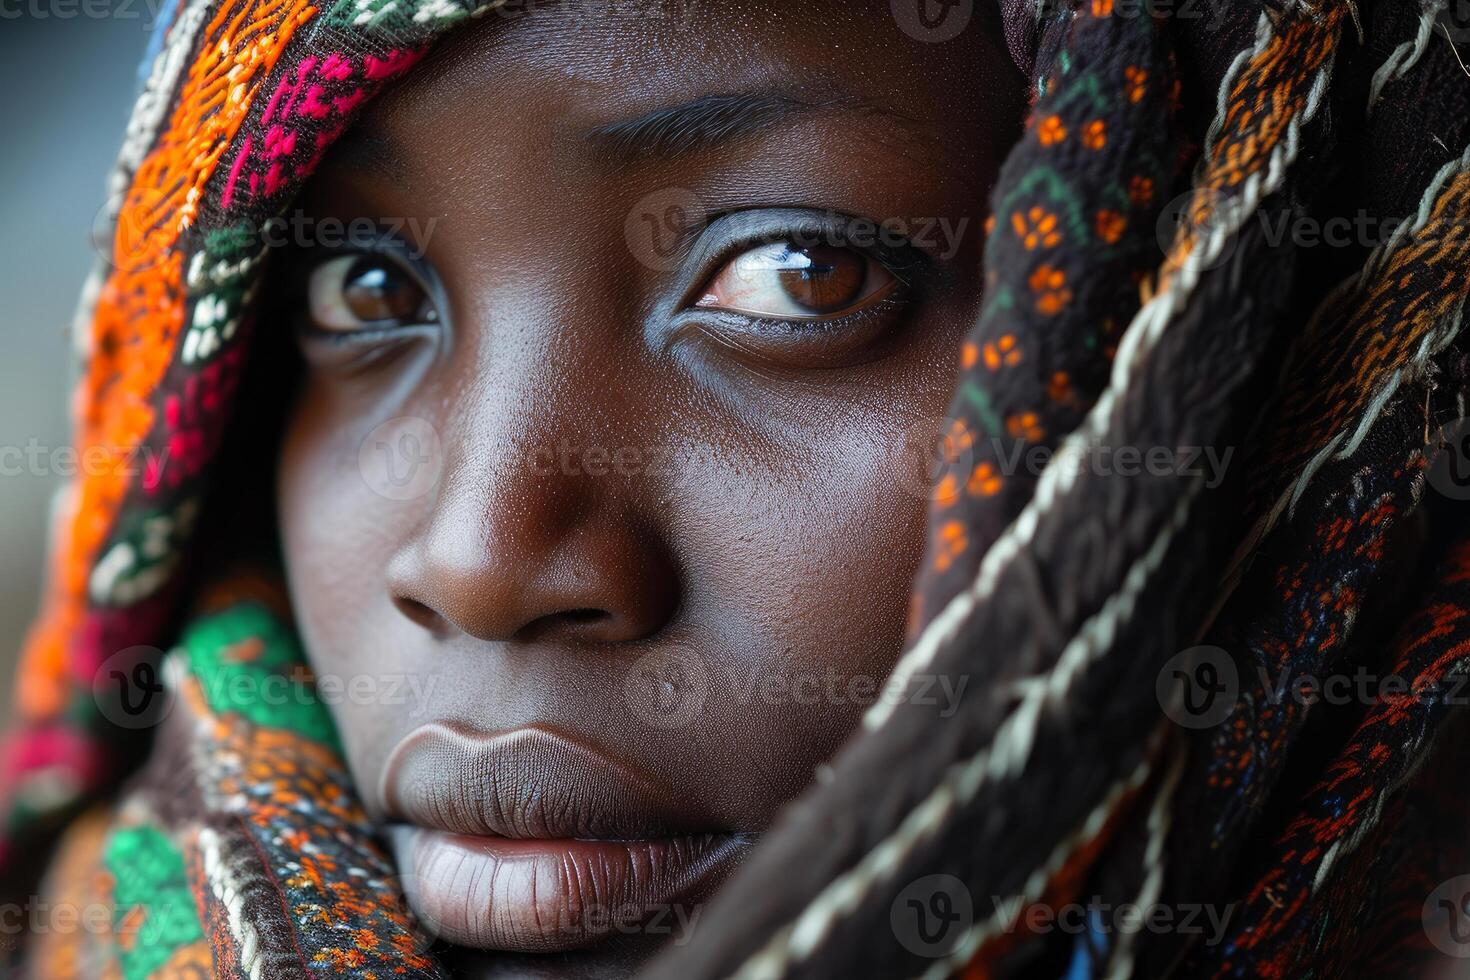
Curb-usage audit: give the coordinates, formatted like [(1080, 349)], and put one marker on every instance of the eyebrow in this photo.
[(665, 132), (708, 121)]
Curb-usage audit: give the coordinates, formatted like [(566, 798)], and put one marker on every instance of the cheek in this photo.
[(853, 535), (338, 533), (804, 566)]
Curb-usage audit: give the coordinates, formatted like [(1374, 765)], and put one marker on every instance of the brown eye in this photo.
[(356, 292), (787, 281), (823, 279)]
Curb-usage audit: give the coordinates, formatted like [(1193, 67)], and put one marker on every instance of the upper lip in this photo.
[(529, 782)]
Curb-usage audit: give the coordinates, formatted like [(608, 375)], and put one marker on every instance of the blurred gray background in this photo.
[(68, 73)]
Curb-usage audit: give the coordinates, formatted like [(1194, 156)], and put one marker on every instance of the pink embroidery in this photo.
[(279, 142), (194, 422), (235, 168), (398, 60), (336, 68), (313, 105), (347, 103), (307, 110)]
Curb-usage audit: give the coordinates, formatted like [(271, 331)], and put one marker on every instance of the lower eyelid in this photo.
[(893, 293), (811, 344), (891, 304)]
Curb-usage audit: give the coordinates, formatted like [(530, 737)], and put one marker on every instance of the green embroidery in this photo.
[(404, 20), (1045, 180), (249, 662), (233, 241), (149, 874), (984, 411)]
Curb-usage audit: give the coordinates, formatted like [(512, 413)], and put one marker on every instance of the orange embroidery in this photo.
[(1110, 226), (957, 440), (1141, 190), (1059, 389), (1025, 425), (1002, 352), (985, 481), (141, 306), (947, 492), (1051, 131), (1038, 227), (969, 354), (952, 543), (1050, 286), (1135, 82), (1095, 135)]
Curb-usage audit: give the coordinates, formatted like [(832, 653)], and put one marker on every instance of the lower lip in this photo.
[(546, 895)]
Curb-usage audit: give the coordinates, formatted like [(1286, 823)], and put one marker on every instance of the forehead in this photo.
[(570, 75)]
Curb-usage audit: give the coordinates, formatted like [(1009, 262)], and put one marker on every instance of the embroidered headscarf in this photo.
[(1132, 636)]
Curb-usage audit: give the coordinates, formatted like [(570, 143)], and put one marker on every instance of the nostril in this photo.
[(578, 624), (583, 616), (417, 612)]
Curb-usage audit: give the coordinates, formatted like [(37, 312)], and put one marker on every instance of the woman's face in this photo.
[(604, 488)]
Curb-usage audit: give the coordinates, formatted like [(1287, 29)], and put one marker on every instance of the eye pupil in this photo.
[(790, 280), (375, 291), (823, 278)]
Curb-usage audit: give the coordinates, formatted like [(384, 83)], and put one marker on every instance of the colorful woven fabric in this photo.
[(1135, 297), (241, 846)]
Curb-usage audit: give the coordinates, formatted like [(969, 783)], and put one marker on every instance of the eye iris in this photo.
[(375, 291), (822, 279)]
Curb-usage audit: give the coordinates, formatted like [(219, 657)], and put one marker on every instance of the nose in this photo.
[(527, 546)]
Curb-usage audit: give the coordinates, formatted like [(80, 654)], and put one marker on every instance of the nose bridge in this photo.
[(516, 447), (532, 529), (501, 493)]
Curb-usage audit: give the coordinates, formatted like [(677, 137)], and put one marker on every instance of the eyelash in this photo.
[(903, 261), (384, 246)]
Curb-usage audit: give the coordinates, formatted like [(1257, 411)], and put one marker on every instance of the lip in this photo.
[(528, 840), (526, 783)]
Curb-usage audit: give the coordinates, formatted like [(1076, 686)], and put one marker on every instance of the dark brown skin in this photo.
[(593, 634)]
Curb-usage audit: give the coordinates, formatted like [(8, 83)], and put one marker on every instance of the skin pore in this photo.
[(666, 374)]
